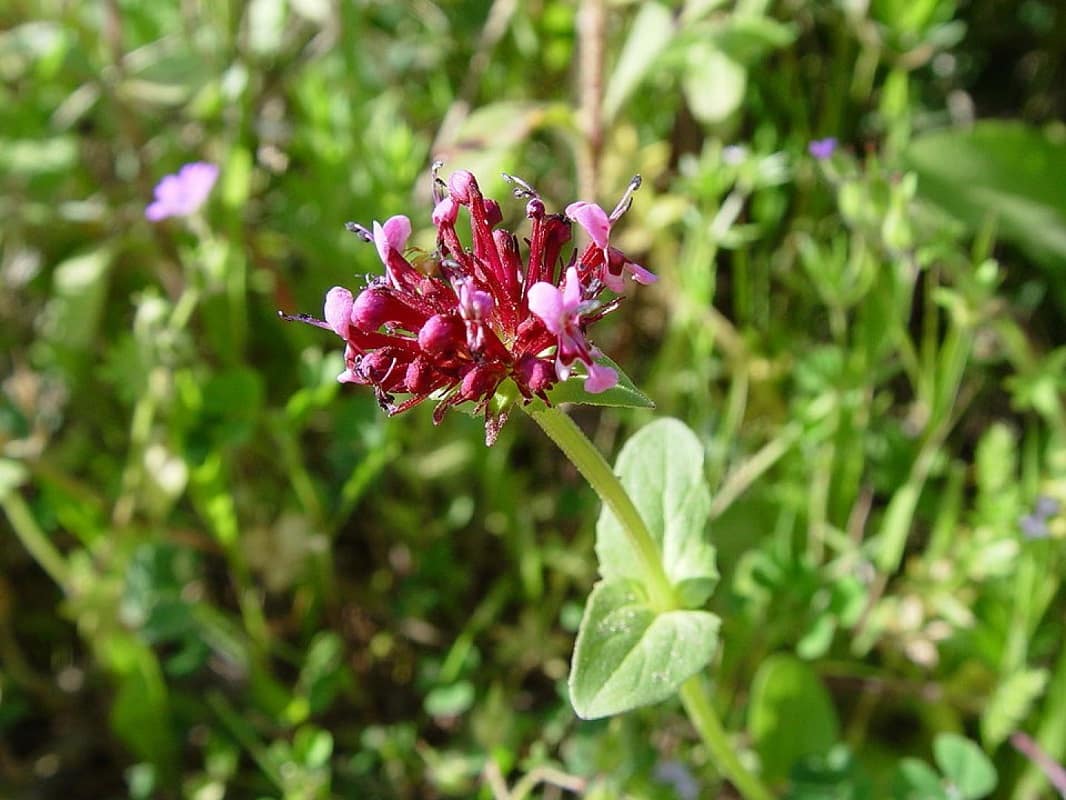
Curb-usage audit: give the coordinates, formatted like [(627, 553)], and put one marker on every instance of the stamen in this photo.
[(521, 190), (440, 186), (627, 199), (304, 318), (359, 230)]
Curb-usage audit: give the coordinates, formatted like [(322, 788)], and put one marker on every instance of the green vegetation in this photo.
[(223, 574)]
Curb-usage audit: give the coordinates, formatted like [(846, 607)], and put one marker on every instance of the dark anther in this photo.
[(522, 190), (359, 230), (627, 198)]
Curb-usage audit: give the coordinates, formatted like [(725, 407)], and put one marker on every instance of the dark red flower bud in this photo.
[(463, 186), (535, 208), (493, 213), (480, 382), (377, 306), (419, 377), (536, 374), (442, 335), (383, 368)]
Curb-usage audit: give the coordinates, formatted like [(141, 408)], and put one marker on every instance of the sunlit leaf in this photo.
[(628, 656)]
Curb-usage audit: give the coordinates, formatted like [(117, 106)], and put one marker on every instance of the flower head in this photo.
[(483, 315), (182, 194), (822, 149)]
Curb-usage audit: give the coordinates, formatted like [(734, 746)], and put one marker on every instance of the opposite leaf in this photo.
[(628, 656), (661, 467)]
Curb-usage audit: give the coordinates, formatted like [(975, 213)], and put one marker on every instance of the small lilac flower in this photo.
[(1046, 506), (1033, 526), (182, 194), (822, 149), (484, 314)]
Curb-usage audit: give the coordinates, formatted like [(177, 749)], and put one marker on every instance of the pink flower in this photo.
[(182, 194), (485, 314), (560, 311), (598, 226)]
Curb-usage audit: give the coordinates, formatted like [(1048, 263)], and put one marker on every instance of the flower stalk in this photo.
[(694, 693)]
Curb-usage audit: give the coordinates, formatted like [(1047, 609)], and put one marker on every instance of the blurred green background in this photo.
[(224, 575)]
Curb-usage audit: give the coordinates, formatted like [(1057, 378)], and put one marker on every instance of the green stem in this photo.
[(583, 454), (35, 540), (694, 695), (699, 709)]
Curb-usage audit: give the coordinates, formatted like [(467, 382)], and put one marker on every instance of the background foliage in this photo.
[(225, 575)]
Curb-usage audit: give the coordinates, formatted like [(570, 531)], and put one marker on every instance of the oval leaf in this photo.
[(784, 691), (661, 467), (965, 765), (628, 656)]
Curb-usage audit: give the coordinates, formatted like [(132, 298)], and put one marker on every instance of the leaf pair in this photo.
[(629, 653)]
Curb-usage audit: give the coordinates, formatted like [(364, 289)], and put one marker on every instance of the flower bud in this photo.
[(535, 208), (382, 369), (419, 376), (480, 382), (463, 186), (446, 212), (536, 374), (338, 310), (377, 306), (443, 334)]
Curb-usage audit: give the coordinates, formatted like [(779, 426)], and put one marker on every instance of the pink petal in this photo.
[(546, 301), (571, 291), (600, 379), (593, 219), (446, 212), (156, 211), (612, 281), (641, 275), (392, 235), (197, 180), (338, 310)]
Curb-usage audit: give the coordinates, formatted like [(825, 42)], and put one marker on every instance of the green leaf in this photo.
[(650, 33), (786, 690), (916, 780), (628, 656), (661, 467), (713, 82), (1011, 171), (965, 765), (1010, 703), (623, 395), (140, 713)]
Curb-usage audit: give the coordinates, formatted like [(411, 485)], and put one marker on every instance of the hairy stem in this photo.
[(583, 454)]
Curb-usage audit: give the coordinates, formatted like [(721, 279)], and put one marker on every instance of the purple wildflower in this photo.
[(182, 194), (822, 149), (484, 315)]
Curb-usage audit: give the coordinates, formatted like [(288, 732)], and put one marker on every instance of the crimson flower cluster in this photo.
[(465, 320)]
